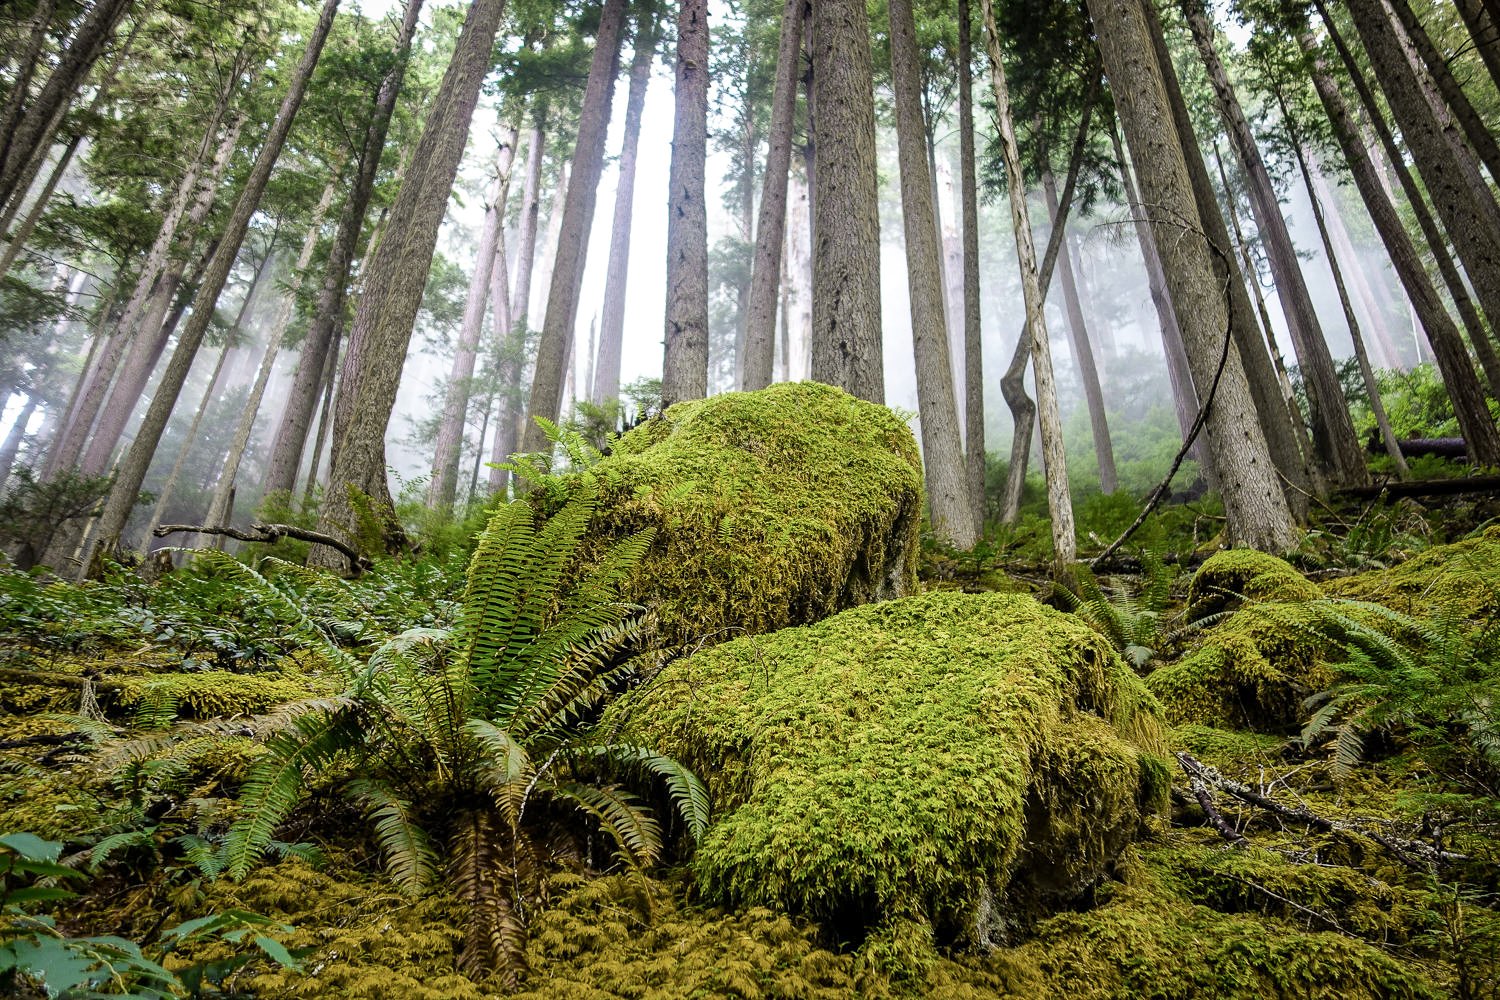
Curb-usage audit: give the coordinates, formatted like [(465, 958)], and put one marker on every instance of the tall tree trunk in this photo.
[(221, 506), (169, 485), (1484, 29), (1452, 94), (749, 144), (974, 453), (1013, 383), (1452, 182), (1255, 508), (1367, 373), (382, 327), (1383, 347), (450, 439), (11, 446), (606, 382), (31, 131), (770, 229), (1276, 424), (1083, 351), (328, 314), (26, 65), (846, 331), (685, 360), (1453, 362), (942, 444), (1458, 290), (325, 421), (561, 316), (1335, 442), (1054, 462), (124, 495)]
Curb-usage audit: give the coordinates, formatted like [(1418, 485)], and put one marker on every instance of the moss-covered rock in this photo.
[(1465, 574), (772, 508), (1226, 578), (962, 761)]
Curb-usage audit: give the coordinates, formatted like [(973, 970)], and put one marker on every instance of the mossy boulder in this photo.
[(1234, 575), (771, 508), (957, 762), (1464, 574)]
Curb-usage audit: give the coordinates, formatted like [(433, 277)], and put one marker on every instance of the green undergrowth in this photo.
[(954, 762), (772, 508)]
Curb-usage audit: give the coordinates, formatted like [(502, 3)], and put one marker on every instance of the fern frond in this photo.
[(687, 793), (511, 761), (409, 857), (631, 827)]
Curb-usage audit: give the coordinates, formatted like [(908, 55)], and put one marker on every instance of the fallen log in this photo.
[(1419, 488), (271, 533)]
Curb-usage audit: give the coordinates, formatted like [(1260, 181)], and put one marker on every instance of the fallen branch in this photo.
[(271, 533), (1426, 487)]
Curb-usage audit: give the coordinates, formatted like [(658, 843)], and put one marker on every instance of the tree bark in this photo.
[(974, 453), (951, 508), (1383, 347), (846, 331), (1083, 351), (444, 485), (1447, 346), (685, 361), (1335, 443), (1059, 502), (392, 296), (169, 486), (123, 496), (1452, 182), (1485, 31), (770, 229), (606, 381), (576, 222), (328, 315), (1256, 511), (1276, 424)]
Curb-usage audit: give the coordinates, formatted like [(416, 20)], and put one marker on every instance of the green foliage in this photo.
[(33, 510), (1132, 618), (484, 741), (918, 759)]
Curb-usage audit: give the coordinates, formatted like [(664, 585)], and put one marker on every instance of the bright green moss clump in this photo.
[(1465, 574), (1233, 575), (772, 508), (963, 761)]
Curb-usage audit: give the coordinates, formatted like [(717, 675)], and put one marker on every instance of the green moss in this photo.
[(1221, 747), (216, 693), (1465, 574), (903, 760), (1233, 575), (772, 508)]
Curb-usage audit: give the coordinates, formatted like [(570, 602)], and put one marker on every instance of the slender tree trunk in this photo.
[(35, 122), (1451, 182), (685, 362), (1013, 383), (606, 382), (328, 315), (1384, 347), (1336, 444), (124, 496), (531, 207), (18, 239), (444, 486), (770, 229), (325, 422), (846, 330), (1276, 424), (1255, 508), (576, 221), (749, 144), (169, 486), (1453, 362), (26, 64), (1059, 502), (974, 453), (1083, 352), (382, 327), (11, 446), (1458, 291), (942, 444), (1485, 31)]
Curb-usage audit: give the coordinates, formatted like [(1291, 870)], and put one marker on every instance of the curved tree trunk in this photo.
[(1336, 445), (124, 495), (606, 381), (942, 443), (846, 331), (392, 296), (1255, 508), (328, 316), (576, 222), (1059, 502), (1453, 361), (685, 361), (770, 229)]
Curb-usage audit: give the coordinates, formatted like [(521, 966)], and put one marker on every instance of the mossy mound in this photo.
[(772, 508), (1235, 575), (962, 761), (1465, 575)]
